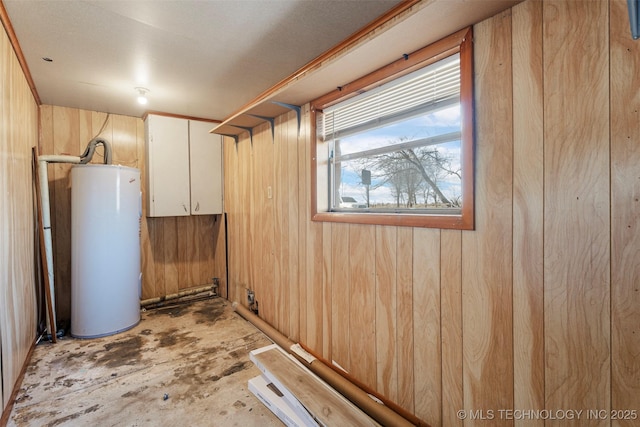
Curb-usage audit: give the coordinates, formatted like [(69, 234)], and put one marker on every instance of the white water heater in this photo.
[(106, 209)]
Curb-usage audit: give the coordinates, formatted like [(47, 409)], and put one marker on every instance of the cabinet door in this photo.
[(205, 151), (167, 166)]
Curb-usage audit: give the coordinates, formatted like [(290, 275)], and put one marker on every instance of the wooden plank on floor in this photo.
[(324, 403), (273, 399)]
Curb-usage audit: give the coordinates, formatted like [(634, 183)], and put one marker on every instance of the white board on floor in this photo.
[(275, 402), (312, 398), (288, 396)]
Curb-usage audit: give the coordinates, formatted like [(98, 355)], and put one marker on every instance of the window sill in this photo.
[(457, 222)]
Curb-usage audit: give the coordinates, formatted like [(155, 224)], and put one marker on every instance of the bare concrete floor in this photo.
[(186, 365)]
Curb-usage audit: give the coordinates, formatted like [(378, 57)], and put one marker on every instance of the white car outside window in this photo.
[(350, 202)]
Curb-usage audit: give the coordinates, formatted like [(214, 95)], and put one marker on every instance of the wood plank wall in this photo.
[(577, 234), (177, 252), (18, 133), (539, 307), (625, 214)]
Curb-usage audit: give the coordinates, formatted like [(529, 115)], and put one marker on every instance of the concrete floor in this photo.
[(185, 365)]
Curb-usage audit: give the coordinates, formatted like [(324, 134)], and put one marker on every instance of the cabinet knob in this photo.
[(197, 206), (184, 207)]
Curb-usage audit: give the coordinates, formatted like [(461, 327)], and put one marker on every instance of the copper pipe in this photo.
[(181, 294)]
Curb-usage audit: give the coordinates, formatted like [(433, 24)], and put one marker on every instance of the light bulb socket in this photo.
[(142, 95)]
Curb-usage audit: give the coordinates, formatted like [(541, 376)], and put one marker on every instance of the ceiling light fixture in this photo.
[(142, 95)]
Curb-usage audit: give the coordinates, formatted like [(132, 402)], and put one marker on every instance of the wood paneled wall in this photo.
[(538, 307), (18, 133), (177, 252), (577, 250)]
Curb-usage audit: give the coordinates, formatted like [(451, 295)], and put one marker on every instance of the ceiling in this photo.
[(197, 58), (210, 58)]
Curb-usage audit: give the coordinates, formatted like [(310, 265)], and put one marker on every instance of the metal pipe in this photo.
[(43, 174), (169, 297), (379, 412)]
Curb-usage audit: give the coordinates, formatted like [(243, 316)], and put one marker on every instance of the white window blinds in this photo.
[(428, 89)]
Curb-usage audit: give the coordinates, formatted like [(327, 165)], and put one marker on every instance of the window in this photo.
[(395, 147)]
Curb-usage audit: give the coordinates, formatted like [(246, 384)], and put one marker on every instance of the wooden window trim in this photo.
[(461, 42)]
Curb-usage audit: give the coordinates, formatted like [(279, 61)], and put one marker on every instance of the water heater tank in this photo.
[(105, 249)]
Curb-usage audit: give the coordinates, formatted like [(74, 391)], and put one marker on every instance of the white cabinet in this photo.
[(183, 168), (167, 166), (205, 153)]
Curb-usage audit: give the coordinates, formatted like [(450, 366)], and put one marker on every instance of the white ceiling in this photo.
[(210, 58), (198, 58)]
